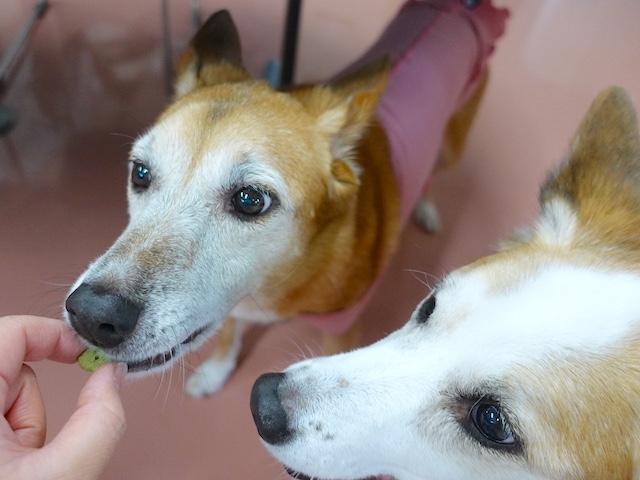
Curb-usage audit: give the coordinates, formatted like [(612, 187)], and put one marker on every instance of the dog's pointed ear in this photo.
[(600, 177), (372, 76), (213, 56), (344, 110), (348, 119)]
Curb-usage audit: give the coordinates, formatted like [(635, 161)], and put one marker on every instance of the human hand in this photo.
[(86, 442)]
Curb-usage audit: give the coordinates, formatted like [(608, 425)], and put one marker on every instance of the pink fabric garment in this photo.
[(438, 51)]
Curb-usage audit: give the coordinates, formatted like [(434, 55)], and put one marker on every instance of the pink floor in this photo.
[(92, 79)]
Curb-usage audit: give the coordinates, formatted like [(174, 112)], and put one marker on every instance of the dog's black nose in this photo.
[(266, 408), (103, 318)]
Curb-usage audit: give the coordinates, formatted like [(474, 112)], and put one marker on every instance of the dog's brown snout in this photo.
[(102, 318), (266, 408)]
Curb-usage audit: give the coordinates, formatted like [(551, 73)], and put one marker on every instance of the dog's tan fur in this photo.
[(583, 391)]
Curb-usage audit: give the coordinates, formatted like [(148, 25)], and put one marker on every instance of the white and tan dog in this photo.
[(523, 365), (249, 204)]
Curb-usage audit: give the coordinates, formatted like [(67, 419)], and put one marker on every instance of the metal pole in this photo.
[(168, 54), (14, 49), (195, 18), (290, 43)]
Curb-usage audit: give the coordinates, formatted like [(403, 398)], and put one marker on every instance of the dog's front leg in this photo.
[(426, 215), (213, 373)]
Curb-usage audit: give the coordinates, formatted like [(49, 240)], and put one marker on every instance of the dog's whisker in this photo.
[(182, 379), (188, 366), (168, 389), (305, 350), (48, 309), (185, 364), (273, 462), (183, 367), (300, 355), (423, 277), (157, 392), (263, 310), (116, 134), (289, 274), (54, 310), (59, 286), (310, 351), (177, 340), (57, 289), (294, 356)]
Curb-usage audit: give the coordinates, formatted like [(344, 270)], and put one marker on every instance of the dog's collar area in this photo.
[(161, 359)]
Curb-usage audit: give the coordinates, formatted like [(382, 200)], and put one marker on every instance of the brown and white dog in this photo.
[(249, 205), (523, 365)]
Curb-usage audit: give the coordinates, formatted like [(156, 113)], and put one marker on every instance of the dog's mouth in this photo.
[(295, 474), (301, 476), (161, 360)]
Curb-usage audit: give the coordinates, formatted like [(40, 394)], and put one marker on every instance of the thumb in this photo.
[(85, 444)]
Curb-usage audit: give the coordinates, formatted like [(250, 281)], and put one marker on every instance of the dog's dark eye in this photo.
[(489, 420), (426, 309), (140, 176), (251, 201)]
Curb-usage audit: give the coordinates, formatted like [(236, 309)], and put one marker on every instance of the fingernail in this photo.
[(119, 372)]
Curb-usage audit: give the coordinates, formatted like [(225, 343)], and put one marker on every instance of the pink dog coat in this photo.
[(438, 51)]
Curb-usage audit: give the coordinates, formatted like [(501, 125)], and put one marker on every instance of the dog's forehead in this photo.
[(525, 309), (224, 127)]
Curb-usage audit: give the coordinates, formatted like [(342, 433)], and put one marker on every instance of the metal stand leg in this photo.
[(166, 44), (195, 19), (290, 43), (194, 24), (8, 117), (16, 46)]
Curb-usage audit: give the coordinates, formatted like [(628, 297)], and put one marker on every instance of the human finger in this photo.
[(39, 338), (85, 444), (26, 413), (27, 338)]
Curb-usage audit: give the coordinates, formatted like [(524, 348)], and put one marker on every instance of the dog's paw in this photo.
[(209, 378), (426, 215)]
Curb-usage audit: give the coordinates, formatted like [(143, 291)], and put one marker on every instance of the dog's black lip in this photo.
[(295, 474), (301, 476), (151, 362), (162, 358)]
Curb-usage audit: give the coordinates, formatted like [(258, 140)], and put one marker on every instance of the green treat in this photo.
[(92, 359)]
